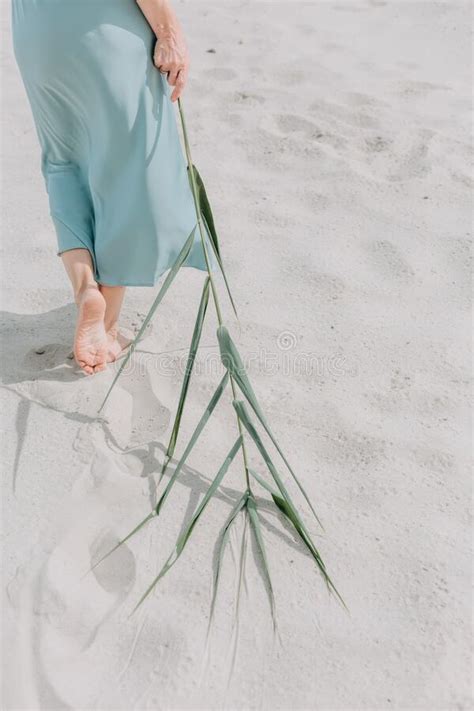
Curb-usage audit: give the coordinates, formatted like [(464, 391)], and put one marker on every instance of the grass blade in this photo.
[(205, 209), (197, 431), (208, 219), (288, 511), (222, 544), (124, 540), (164, 288), (224, 276), (196, 337), (241, 410), (257, 531), (263, 483), (184, 537), (289, 506), (242, 583), (233, 362)]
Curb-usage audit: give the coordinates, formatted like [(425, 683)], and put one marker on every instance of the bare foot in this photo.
[(90, 342), (117, 343)]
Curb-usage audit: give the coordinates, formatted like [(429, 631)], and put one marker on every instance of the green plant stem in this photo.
[(215, 297)]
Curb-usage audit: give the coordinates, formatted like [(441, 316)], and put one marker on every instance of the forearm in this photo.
[(170, 55), (161, 18)]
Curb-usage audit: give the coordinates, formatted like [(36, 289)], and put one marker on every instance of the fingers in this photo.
[(173, 74), (172, 69), (176, 75), (172, 60), (179, 85)]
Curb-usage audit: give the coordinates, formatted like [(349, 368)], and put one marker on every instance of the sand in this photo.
[(334, 139)]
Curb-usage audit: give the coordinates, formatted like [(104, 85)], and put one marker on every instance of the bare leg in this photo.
[(90, 341), (113, 296)]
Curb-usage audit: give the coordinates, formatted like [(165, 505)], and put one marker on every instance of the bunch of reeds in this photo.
[(250, 420)]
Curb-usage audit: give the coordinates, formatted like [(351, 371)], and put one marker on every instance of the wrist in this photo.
[(160, 17), (166, 31)]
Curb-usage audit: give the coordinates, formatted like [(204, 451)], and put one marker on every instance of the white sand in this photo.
[(334, 141)]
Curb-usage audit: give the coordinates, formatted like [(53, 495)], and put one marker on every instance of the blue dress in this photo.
[(112, 160)]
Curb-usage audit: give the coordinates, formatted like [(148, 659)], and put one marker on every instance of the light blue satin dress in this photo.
[(112, 160)]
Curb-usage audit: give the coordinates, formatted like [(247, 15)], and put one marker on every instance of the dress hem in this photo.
[(131, 283), (152, 283)]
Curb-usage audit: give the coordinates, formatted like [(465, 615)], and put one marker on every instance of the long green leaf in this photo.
[(199, 428), (196, 337), (255, 525), (222, 544), (263, 483), (242, 582), (282, 505), (233, 362), (288, 511), (224, 275), (208, 220), (164, 288), (246, 421), (244, 417), (184, 537), (205, 209)]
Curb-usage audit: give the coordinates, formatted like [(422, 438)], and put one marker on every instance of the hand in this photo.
[(171, 57)]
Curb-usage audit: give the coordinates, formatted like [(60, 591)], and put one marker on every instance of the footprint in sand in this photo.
[(290, 123), (47, 356), (134, 416), (356, 449), (410, 156), (292, 77), (242, 97), (61, 387), (221, 74), (419, 88), (462, 179), (357, 99), (435, 461), (388, 260), (235, 121), (348, 115), (377, 144), (70, 623), (459, 254), (333, 47), (145, 388), (325, 287), (61, 608), (313, 199), (116, 574), (293, 125)]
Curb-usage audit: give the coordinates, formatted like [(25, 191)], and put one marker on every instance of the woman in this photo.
[(111, 156)]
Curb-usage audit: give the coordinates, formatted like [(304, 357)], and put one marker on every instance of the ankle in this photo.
[(83, 289), (112, 329)]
